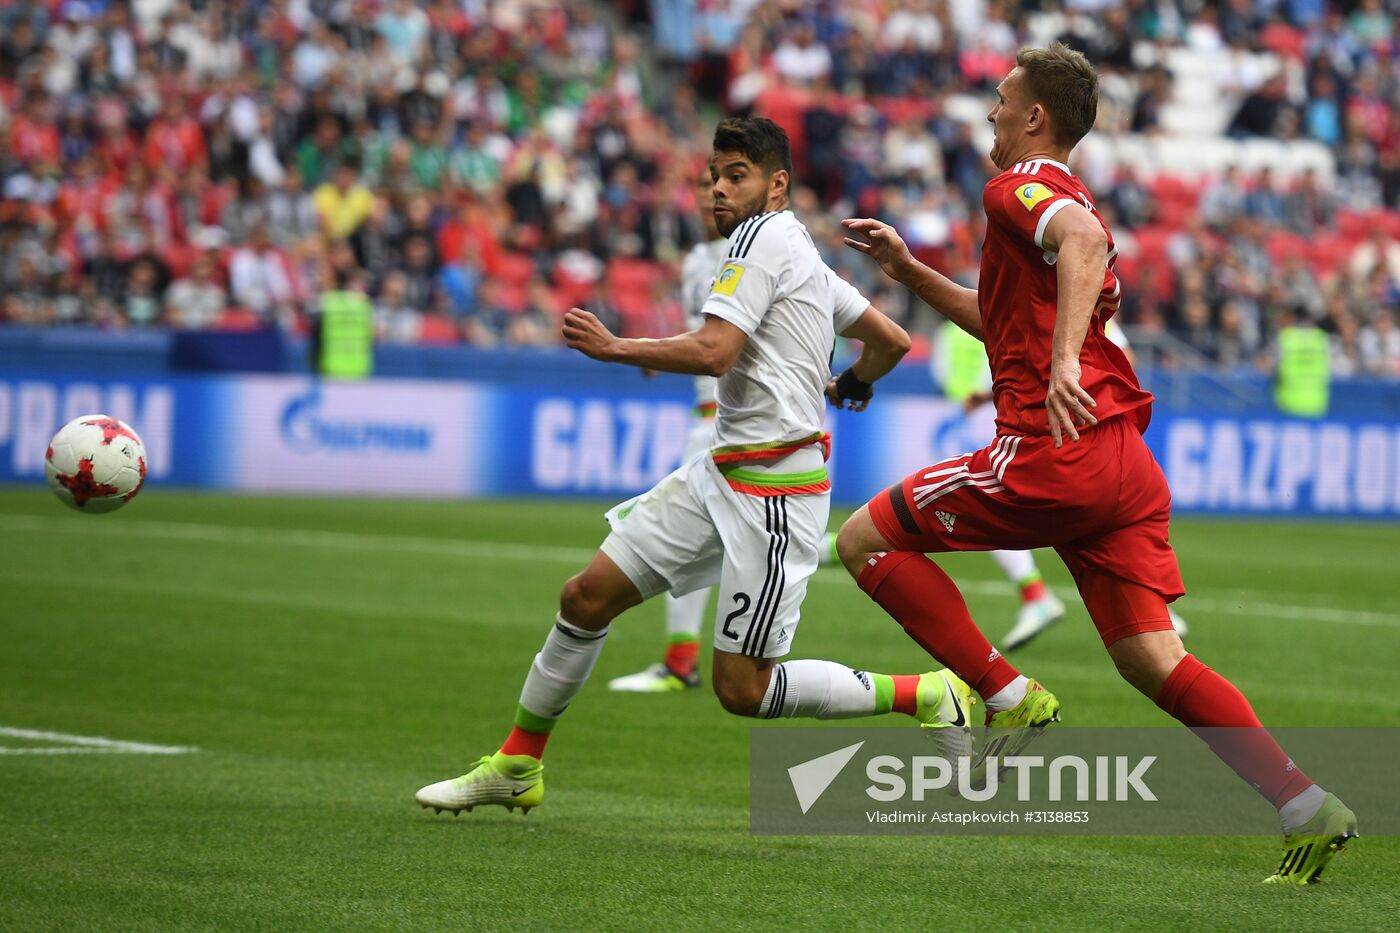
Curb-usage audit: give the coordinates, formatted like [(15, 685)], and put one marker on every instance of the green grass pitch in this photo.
[(328, 657)]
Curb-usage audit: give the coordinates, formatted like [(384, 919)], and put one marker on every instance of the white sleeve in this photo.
[(850, 304), (747, 281)]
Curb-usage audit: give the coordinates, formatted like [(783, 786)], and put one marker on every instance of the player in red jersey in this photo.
[(1069, 468)]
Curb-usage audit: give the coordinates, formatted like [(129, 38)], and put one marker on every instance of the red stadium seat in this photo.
[(1283, 244), (514, 269), (1353, 226), (629, 281), (1327, 255), (1154, 244)]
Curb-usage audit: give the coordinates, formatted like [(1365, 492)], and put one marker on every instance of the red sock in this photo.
[(921, 597), (520, 742), (681, 657), (1034, 591), (1216, 711), (906, 693)]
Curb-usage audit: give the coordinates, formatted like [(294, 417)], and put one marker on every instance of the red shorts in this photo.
[(1102, 503)]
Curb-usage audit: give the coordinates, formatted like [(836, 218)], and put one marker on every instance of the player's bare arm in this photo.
[(883, 344), (1082, 248), (975, 401), (708, 351), (882, 243)]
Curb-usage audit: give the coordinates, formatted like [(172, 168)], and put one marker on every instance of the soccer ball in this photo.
[(96, 463)]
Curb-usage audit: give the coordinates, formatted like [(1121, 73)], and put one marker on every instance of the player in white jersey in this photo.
[(750, 513), (685, 615)]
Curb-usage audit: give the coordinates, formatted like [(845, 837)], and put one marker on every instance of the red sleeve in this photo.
[(1025, 205)]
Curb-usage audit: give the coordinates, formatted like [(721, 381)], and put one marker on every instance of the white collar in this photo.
[(1043, 161)]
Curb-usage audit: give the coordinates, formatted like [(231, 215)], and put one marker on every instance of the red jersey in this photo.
[(1016, 296)]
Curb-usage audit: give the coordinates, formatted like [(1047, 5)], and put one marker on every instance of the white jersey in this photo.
[(697, 276), (774, 286)]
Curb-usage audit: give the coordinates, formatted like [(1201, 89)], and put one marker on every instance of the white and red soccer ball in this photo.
[(96, 463)]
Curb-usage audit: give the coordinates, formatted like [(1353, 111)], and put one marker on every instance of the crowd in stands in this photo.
[(478, 166)]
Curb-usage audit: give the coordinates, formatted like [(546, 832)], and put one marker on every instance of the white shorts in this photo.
[(691, 531)]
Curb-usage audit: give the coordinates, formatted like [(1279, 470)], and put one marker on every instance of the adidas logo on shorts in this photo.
[(947, 518)]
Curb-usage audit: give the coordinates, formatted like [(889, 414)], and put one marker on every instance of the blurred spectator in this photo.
[(1380, 252), (1379, 343), (1262, 110), (913, 21), (343, 204), (1263, 201), (260, 277), (104, 268), (1238, 336), (1371, 24), (175, 141), (822, 126), (196, 301), (800, 58), (142, 300), (912, 155), (717, 27), (1154, 95), (419, 271), (479, 164), (1196, 329), (1223, 198), (396, 321), (1322, 117), (405, 29), (25, 295), (319, 155), (1131, 199), (1345, 348), (476, 164), (1310, 206), (536, 324), (289, 210)]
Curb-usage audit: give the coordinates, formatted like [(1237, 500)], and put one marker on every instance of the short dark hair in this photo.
[(758, 139), (1065, 83)]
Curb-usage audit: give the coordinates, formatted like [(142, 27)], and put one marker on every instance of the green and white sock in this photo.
[(558, 673)]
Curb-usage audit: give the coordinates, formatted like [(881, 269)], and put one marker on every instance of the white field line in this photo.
[(85, 744), (1250, 604)]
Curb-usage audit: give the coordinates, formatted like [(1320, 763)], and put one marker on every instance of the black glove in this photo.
[(852, 389)]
